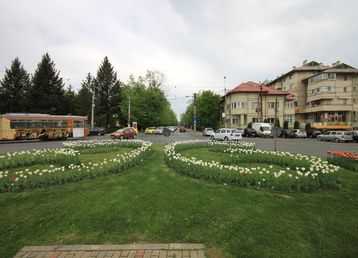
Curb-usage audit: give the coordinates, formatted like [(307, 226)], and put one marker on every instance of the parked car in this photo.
[(355, 136), (149, 130), (249, 132), (315, 133), (226, 134), (97, 131), (124, 133), (208, 131), (337, 136), (300, 133), (182, 129), (240, 130), (285, 133), (159, 130)]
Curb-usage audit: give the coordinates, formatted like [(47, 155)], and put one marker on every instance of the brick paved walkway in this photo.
[(114, 251)]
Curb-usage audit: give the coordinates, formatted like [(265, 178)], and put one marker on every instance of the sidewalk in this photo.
[(114, 251)]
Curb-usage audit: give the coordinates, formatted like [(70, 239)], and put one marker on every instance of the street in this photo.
[(304, 146)]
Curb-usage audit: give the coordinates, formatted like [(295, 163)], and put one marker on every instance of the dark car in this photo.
[(97, 131), (315, 133), (285, 133), (249, 132), (182, 129), (124, 133), (355, 136)]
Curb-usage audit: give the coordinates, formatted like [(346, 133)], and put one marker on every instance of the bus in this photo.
[(25, 126)]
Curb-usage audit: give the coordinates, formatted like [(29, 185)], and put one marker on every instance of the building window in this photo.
[(344, 89), (272, 104), (254, 105), (255, 120), (344, 102), (241, 104), (345, 77), (271, 120), (289, 104), (290, 119)]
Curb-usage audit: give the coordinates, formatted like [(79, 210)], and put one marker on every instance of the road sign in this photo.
[(195, 120)]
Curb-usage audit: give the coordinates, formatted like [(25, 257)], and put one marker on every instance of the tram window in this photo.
[(77, 124)]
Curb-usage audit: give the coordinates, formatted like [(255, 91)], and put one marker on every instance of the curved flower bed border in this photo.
[(345, 159), (25, 179), (313, 174)]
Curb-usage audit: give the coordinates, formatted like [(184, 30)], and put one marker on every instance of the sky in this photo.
[(194, 43)]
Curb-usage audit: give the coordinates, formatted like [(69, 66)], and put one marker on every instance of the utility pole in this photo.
[(93, 105), (129, 111), (194, 112), (225, 120), (275, 124)]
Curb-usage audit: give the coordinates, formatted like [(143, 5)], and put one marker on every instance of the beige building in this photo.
[(326, 96), (252, 102)]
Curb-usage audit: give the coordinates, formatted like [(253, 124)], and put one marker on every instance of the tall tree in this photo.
[(70, 104), (109, 96), (207, 111), (47, 93), (84, 97), (14, 88)]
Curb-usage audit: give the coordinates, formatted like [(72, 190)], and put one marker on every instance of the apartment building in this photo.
[(326, 96), (253, 102)]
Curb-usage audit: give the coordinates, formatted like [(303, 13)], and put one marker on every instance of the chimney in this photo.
[(304, 62), (294, 67)]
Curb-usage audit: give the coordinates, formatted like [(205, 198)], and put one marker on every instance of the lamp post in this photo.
[(225, 120)]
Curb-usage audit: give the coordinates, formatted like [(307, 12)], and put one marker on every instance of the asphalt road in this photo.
[(304, 146)]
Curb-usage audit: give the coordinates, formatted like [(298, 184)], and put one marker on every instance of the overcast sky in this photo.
[(194, 43)]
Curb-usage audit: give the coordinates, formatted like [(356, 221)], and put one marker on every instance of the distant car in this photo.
[(300, 133), (249, 132), (159, 130), (208, 131), (182, 129), (285, 133), (240, 130), (97, 131), (226, 134), (172, 128), (124, 133), (315, 133), (149, 130), (337, 136), (355, 136)]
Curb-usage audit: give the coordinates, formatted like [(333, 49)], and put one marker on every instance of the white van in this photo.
[(262, 129)]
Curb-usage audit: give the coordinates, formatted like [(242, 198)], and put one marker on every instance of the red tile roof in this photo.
[(255, 87)]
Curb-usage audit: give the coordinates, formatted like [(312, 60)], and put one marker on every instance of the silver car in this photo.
[(226, 134), (208, 131), (336, 136)]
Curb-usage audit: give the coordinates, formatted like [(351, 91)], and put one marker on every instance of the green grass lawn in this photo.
[(152, 203)]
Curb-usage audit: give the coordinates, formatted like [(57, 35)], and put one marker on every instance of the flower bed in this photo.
[(299, 172), (58, 173), (348, 160)]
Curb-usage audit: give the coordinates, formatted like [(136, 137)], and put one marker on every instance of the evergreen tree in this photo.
[(14, 88), (46, 94), (109, 98), (84, 97), (296, 125), (70, 102)]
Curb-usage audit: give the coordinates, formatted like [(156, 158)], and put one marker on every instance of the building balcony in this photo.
[(321, 95), (327, 107)]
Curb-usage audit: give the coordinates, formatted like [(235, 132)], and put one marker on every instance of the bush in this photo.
[(285, 124), (296, 125)]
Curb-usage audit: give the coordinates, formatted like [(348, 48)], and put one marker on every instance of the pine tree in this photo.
[(70, 104), (14, 88), (108, 94), (84, 97), (47, 93)]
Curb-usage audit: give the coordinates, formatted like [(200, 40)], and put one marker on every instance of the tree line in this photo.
[(45, 92)]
